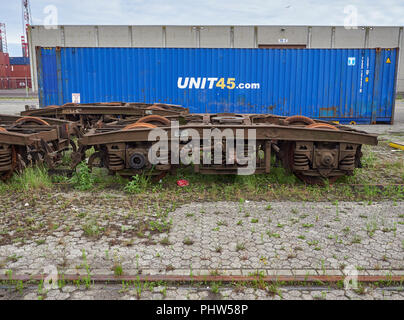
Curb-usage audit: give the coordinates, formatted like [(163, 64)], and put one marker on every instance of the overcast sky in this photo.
[(201, 12)]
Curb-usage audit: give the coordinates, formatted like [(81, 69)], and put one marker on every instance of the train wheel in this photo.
[(299, 120), (139, 125), (29, 119), (155, 119), (91, 160), (287, 159), (321, 126)]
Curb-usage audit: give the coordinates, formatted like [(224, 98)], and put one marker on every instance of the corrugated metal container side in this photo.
[(332, 84), (4, 70), (20, 71), (19, 60), (4, 65), (4, 59), (18, 83)]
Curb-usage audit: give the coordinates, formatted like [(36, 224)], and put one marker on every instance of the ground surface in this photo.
[(15, 106), (393, 132), (271, 225), (202, 292), (79, 233), (17, 93), (199, 236)]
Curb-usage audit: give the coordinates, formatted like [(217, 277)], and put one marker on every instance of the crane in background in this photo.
[(3, 38), (26, 22)]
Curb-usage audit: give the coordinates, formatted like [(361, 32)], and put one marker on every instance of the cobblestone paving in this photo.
[(114, 292), (77, 232)]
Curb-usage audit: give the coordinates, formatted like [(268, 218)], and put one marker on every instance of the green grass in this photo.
[(118, 271), (201, 187), (82, 178), (277, 185), (138, 184), (32, 178), (66, 158)]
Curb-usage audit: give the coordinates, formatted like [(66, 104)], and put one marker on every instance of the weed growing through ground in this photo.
[(187, 241), (138, 184), (165, 241), (118, 271), (91, 228), (32, 178), (371, 228), (214, 287), (240, 246), (82, 178)]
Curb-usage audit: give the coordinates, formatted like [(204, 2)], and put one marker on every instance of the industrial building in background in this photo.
[(15, 72)]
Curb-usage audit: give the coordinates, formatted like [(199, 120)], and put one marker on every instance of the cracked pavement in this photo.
[(117, 292), (82, 232)]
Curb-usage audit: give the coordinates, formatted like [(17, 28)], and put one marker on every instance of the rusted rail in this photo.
[(207, 278)]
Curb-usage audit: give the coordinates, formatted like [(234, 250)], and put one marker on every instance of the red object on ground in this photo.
[(182, 183)]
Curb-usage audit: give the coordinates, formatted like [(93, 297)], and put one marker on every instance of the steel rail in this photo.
[(206, 278)]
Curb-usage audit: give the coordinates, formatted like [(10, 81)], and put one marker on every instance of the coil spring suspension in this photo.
[(300, 161), (115, 162), (5, 158), (347, 163)]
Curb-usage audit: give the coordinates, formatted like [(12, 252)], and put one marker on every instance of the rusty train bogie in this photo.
[(312, 150), (31, 140), (90, 115)]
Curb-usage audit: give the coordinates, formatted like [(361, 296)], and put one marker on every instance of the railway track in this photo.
[(210, 278)]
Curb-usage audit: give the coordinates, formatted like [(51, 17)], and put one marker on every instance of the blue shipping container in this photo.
[(19, 60), (333, 84)]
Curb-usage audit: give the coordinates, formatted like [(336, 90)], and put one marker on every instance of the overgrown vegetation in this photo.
[(82, 178), (277, 185), (32, 178), (137, 184)]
